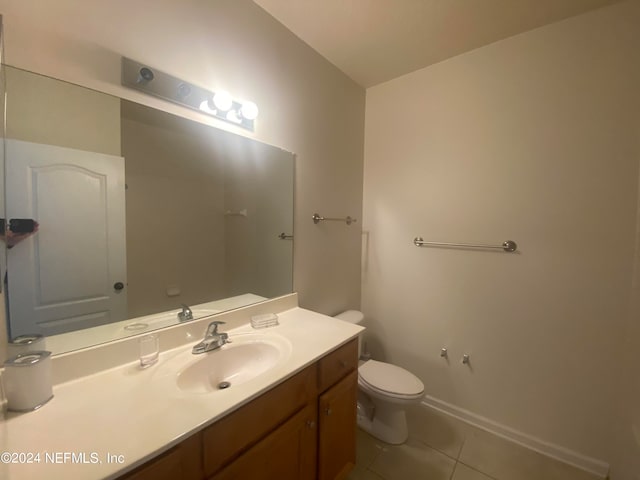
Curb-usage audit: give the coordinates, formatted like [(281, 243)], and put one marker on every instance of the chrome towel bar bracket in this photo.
[(508, 246)]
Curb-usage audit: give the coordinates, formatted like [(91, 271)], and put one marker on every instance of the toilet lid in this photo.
[(390, 378)]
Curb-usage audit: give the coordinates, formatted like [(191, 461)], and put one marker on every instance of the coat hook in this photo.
[(465, 359), (443, 353)]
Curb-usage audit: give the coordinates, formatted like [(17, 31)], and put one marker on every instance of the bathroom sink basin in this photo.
[(247, 357)]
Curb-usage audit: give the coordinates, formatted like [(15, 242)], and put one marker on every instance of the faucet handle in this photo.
[(185, 314), (212, 329)]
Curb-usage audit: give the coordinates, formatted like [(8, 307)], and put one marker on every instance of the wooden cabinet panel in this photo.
[(183, 461), (289, 453), (229, 437), (337, 429), (337, 364)]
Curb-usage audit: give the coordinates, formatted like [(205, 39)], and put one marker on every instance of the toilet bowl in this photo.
[(384, 392)]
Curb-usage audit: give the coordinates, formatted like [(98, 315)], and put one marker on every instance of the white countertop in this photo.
[(131, 414)]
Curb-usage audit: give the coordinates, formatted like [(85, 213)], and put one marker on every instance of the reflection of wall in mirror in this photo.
[(175, 224), (255, 255), (182, 178), (44, 110)]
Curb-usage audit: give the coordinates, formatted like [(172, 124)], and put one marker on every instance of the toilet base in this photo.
[(388, 424)]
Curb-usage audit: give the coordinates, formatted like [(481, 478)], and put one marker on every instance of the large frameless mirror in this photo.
[(126, 219)]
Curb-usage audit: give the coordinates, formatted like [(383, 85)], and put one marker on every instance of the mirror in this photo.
[(130, 219), (3, 257)]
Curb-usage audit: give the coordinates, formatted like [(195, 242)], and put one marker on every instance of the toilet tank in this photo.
[(353, 316)]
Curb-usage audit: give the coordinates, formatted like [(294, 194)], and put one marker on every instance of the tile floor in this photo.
[(443, 448)]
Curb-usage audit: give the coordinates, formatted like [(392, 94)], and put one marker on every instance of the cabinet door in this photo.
[(287, 453), (337, 429)]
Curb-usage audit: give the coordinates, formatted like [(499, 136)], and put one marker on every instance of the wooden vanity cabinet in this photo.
[(301, 429), (337, 403), (181, 462)]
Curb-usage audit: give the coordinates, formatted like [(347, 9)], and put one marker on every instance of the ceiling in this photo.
[(373, 41)]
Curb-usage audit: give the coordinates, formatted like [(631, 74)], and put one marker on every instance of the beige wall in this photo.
[(306, 105), (534, 139)]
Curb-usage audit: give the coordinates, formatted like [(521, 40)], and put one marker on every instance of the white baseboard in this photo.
[(591, 465)]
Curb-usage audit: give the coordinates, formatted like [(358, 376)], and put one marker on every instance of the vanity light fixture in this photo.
[(218, 104)]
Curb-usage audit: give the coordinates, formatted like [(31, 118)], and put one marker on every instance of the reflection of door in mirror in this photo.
[(63, 278)]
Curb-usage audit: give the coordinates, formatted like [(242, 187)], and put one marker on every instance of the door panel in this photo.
[(56, 281)]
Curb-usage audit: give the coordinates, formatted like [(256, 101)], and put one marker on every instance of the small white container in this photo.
[(27, 381), (26, 343)]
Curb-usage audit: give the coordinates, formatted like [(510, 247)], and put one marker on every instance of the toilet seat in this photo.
[(390, 380)]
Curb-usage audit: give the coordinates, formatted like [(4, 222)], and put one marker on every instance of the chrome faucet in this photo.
[(212, 339), (186, 314)]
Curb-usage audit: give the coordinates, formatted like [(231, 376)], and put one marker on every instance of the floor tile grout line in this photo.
[(464, 441), (375, 473), (378, 451), (479, 471), (455, 467), (434, 448), (375, 457)]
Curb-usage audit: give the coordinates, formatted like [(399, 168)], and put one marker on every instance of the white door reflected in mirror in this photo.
[(72, 273)]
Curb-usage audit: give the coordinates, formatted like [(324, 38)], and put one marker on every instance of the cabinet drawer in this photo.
[(229, 437), (337, 364)]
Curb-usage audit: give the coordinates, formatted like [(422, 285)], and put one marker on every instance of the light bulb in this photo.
[(205, 106), (249, 110), (222, 100), (232, 116)]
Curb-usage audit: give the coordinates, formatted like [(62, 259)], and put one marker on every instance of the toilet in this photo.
[(384, 392)]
